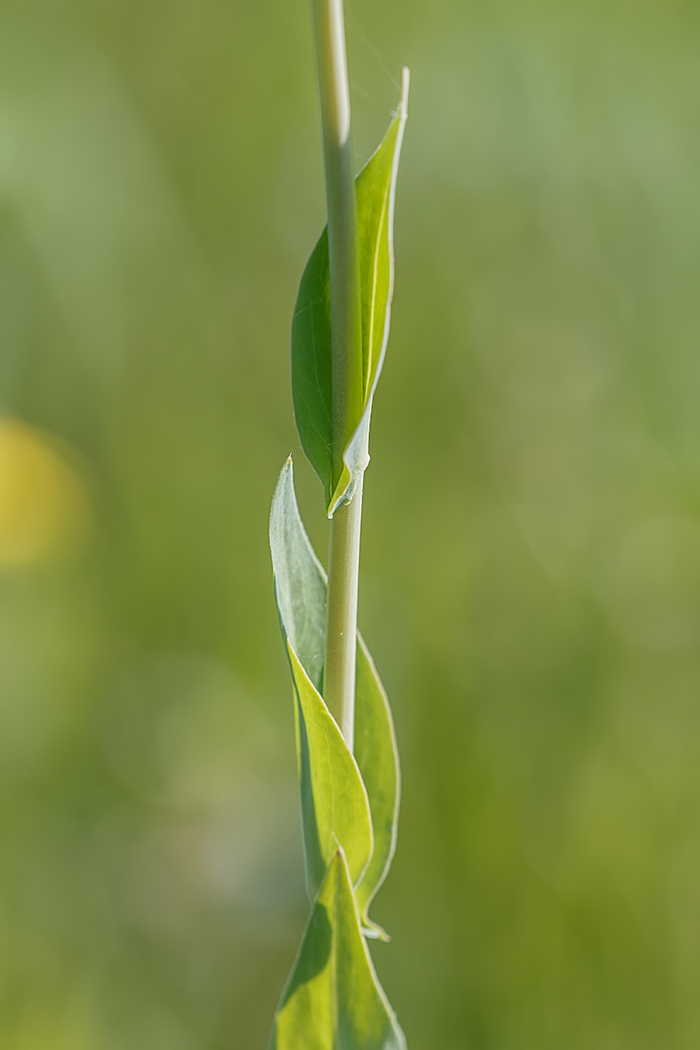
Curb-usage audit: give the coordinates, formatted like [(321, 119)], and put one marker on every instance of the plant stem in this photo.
[(341, 622), (346, 324), (346, 328)]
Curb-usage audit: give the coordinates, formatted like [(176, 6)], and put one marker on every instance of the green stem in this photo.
[(341, 621), (346, 328)]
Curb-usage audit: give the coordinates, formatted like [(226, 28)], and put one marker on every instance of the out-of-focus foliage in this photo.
[(531, 566)]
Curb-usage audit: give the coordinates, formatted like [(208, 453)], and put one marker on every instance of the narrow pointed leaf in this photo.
[(312, 389), (300, 588), (376, 194), (334, 803), (300, 580), (378, 758), (311, 326), (333, 1000), (335, 807)]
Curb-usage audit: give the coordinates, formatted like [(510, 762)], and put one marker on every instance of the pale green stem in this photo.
[(341, 622), (346, 327)]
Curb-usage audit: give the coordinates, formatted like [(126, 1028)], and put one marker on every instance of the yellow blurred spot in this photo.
[(56, 1026), (44, 508)]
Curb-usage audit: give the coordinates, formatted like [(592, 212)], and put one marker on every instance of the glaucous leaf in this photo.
[(334, 803), (333, 1000), (377, 755), (311, 325), (300, 579), (300, 588)]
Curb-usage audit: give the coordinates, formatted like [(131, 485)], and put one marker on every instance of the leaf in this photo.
[(377, 755), (312, 386), (333, 1000), (300, 588), (300, 580), (311, 326), (334, 803)]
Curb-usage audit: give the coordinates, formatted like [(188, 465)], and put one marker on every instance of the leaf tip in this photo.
[(287, 467), (373, 932)]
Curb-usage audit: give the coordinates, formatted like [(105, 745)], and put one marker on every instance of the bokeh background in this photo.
[(531, 559)]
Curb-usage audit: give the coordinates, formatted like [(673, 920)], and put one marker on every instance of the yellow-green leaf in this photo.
[(300, 588), (334, 803), (333, 1000), (335, 807)]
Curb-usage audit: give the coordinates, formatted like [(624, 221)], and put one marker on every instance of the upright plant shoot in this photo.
[(346, 748)]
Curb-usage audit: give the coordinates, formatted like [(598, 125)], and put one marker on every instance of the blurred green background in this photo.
[(531, 559)]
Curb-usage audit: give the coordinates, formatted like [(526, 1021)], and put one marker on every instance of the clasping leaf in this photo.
[(335, 807), (333, 1000), (346, 800), (312, 380)]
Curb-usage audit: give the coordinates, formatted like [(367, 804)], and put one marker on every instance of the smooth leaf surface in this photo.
[(300, 588), (335, 806), (333, 1000), (376, 194), (311, 325), (300, 579), (377, 755), (312, 385)]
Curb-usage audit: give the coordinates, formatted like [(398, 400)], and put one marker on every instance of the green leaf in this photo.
[(335, 807), (333, 1000), (334, 803), (377, 755), (312, 389), (300, 588), (311, 326), (300, 580)]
